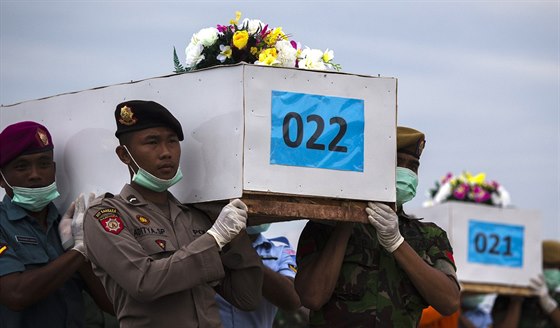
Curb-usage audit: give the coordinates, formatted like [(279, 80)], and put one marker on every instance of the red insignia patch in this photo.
[(161, 243), (450, 256), (3, 248), (112, 224), (142, 219)]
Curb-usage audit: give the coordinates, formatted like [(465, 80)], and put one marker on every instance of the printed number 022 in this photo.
[(320, 126)]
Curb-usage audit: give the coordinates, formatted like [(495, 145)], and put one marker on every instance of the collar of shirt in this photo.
[(15, 212), (134, 198)]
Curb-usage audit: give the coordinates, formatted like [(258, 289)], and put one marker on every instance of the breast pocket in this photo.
[(31, 255), (157, 246)]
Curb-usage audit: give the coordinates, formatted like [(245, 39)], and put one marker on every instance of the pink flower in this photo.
[(221, 28), (447, 177), (461, 191), (480, 195)]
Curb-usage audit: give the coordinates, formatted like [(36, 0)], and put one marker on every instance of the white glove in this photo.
[(231, 220), (386, 222), (538, 286), (78, 222), (65, 228)]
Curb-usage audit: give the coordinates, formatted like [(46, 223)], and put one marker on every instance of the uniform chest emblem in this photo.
[(161, 243), (112, 224), (142, 219)]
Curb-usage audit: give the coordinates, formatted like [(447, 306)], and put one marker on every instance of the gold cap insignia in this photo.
[(127, 116), (42, 137)]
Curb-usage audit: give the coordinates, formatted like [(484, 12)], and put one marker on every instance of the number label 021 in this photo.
[(317, 131), (498, 244)]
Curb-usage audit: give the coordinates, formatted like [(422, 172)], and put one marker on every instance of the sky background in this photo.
[(480, 78)]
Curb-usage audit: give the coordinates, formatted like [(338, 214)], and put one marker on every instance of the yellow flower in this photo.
[(275, 35), (254, 50), (268, 56), (240, 39), (235, 21), (475, 179)]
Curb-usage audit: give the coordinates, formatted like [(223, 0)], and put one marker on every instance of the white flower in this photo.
[(328, 55), (312, 59), (225, 52), (443, 193), (287, 55), (504, 195), (252, 25), (206, 36), (194, 54)]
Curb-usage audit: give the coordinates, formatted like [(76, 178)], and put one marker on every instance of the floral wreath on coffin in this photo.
[(253, 42), (468, 188)]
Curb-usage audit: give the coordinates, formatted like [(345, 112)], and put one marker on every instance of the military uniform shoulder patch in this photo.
[(103, 213), (3, 248), (112, 224)]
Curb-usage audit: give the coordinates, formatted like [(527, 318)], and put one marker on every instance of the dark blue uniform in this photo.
[(24, 245)]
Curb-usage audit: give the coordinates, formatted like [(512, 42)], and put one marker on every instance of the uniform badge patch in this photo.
[(127, 116), (112, 224), (142, 219), (3, 248), (42, 137), (161, 243), (106, 212)]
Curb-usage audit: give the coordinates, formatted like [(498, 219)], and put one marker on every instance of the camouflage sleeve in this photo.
[(447, 268), (439, 247), (312, 239)]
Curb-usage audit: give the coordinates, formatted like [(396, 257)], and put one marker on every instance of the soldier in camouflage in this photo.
[(380, 274)]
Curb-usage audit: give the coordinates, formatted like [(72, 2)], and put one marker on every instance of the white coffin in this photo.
[(227, 117), (491, 245)]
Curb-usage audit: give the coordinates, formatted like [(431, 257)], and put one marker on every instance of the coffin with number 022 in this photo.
[(495, 249), (291, 143)]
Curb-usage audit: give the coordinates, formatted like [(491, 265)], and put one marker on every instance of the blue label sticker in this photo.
[(317, 131), (493, 243)]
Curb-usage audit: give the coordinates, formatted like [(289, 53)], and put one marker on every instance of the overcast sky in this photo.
[(480, 78)]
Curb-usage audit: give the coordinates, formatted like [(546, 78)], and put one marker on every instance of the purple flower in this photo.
[(221, 28), (480, 195), (461, 191), (446, 178)]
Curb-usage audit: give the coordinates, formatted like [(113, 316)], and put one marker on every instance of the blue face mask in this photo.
[(407, 181), (33, 199), (253, 230), (150, 181)]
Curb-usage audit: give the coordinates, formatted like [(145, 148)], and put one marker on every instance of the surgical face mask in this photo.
[(552, 278), (33, 199), (407, 181), (150, 181), (472, 301), (253, 230)]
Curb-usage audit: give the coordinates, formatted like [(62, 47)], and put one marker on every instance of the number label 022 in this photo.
[(317, 131), (498, 244)]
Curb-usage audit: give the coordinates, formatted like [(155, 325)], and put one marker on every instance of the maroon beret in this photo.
[(23, 138)]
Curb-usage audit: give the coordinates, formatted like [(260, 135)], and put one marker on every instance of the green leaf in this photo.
[(178, 67)]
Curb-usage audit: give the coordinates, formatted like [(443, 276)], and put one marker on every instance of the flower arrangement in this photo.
[(250, 41), (468, 188)]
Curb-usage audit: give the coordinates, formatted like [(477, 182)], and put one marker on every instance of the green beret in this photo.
[(551, 252), (136, 115), (410, 141)]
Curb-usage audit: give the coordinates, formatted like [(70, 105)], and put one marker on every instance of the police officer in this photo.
[(380, 274), (159, 260), (40, 284)]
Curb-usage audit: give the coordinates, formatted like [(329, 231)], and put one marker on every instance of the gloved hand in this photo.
[(78, 222), (231, 220), (65, 227), (386, 222), (538, 286)]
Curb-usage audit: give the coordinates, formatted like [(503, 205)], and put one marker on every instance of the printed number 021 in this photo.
[(481, 244), (312, 142)]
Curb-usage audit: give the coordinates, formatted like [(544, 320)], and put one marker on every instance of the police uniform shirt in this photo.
[(158, 270), (277, 255), (24, 245)]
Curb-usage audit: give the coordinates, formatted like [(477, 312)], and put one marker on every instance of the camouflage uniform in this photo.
[(372, 290), (532, 315)]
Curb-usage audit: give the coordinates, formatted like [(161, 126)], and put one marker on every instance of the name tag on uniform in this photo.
[(27, 240)]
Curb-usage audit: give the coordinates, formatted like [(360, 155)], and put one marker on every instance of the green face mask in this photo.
[(253, 230), (407, 181), (33, 199), (552, 278), (150, 181)]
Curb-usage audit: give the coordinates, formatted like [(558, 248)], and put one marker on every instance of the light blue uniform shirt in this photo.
[(276, 254), (24, 245)]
